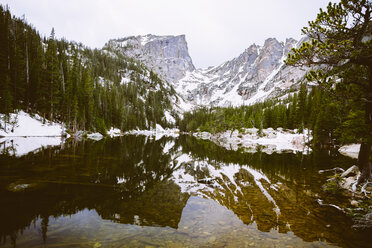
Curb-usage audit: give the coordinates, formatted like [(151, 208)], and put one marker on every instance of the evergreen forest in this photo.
[(332, 119), (73, 84)]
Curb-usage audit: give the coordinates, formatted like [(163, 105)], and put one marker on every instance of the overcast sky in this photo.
[(216, 30)]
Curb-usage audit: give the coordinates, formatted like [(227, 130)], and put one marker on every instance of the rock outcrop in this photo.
[(167, 56)]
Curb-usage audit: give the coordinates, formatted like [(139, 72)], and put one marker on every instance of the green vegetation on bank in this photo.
[(332, 119)]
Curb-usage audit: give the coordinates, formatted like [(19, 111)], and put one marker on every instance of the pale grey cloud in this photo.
[(216, 30)]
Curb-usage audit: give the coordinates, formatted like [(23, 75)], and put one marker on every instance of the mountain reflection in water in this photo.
[(139, 191)]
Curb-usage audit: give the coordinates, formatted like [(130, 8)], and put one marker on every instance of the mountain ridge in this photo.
[(256, 74)]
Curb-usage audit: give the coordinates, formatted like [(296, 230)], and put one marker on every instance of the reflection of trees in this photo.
[(296, 186), (125, 180), (289, 165)]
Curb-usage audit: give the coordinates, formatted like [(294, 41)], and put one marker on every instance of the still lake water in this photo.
[(136, 191)]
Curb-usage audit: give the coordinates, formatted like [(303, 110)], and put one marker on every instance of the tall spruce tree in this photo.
[(52, 76), (5, 90), (341, 50)]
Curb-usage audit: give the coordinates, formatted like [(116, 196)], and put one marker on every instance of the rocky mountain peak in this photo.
[(249, 55), (270, 42), (257, 73), (167, 56), (289, 44)]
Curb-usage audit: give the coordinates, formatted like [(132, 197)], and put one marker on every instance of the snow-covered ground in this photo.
[(25, 125), (350, 150), (269, 141)]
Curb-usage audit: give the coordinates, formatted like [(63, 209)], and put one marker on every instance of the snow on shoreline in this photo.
[(350, 150), (24, 133), (22, 124), (158, 132), (271, 140), (114, 132)]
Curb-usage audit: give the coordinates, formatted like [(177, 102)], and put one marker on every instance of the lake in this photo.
[(138, 191)]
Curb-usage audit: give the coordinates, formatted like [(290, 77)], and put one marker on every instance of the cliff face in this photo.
[(167, 56)]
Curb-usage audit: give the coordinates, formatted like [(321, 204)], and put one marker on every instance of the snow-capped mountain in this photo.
[(257, 74)]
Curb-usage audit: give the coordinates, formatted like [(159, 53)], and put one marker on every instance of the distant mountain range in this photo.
[(257, 74)]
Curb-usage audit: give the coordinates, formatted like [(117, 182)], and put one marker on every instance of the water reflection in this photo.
[(20, 146), (117, 185)]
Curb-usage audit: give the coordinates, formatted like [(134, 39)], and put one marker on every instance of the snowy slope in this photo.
[(22, 124)]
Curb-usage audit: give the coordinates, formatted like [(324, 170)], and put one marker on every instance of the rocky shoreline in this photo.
[(268, 140)]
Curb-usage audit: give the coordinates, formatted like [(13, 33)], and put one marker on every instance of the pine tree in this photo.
[(5, 91), (72, 84), (88, 100), (5, 99), (301, 107), (340, 41), (52, 77)]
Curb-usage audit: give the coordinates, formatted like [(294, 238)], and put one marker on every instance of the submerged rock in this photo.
[(21, 186)]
